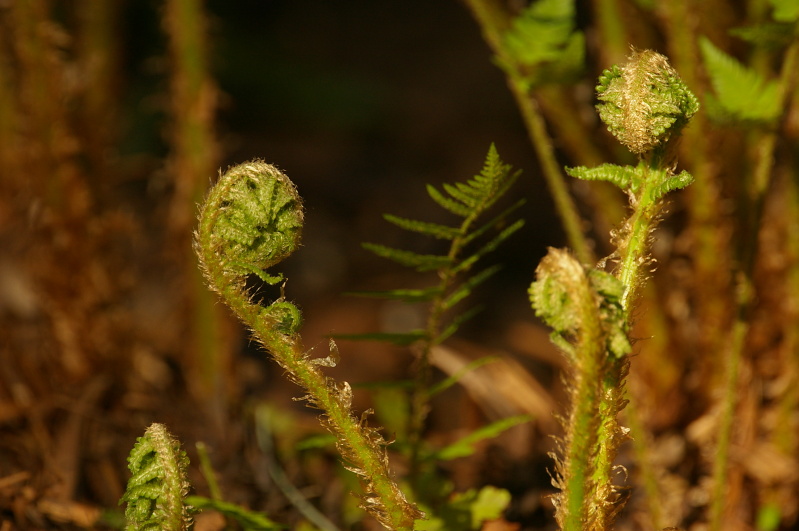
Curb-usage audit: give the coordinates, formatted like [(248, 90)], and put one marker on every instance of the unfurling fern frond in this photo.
[(158, 484), (250, 221)]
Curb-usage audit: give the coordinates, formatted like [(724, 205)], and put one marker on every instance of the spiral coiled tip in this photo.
[(251, 220), (256, 215)]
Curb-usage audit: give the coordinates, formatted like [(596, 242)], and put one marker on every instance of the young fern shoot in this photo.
[(158, 485), (645, 105), (251, 220)]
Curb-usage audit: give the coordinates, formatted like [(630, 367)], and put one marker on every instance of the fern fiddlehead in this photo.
[(251, 220), (158, 483), (645, 106)]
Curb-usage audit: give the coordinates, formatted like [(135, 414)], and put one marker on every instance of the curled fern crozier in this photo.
[(251, 220), (158, 483)]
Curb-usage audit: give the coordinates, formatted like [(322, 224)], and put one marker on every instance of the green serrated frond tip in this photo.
[(463, 194), (675, 182)]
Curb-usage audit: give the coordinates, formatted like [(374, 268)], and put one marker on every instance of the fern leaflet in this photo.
[(740, 92), (470, 239), (420, 262), (543, 40), (430, 229)]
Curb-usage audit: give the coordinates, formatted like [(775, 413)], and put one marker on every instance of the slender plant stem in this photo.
[(193, 159), (492, 21), (635, 248), (581, 443), (208, 471), (721, 455), (760, 184), (564, 204)]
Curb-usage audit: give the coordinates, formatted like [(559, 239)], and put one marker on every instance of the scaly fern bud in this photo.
[(644, 102)]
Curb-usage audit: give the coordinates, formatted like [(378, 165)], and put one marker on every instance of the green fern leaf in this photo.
[(467, 197), (469, 200), (455, 324), (446, 203), (435, 230), (420, 262), (406, 295), (465, 289), (621, 176), (543, 39), (674, 182), (490, 246), (494, 180), (248, 520), (495, 222), (740, 93), (465, 446)]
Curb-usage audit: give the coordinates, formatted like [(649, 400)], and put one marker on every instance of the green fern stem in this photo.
[(251, 220), (634, 249), (580, 488)]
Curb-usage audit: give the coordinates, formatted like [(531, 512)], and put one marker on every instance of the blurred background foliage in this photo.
[(115, 117)]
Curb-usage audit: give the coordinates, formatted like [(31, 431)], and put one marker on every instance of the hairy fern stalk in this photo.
[(250, 221), (645, 105)]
